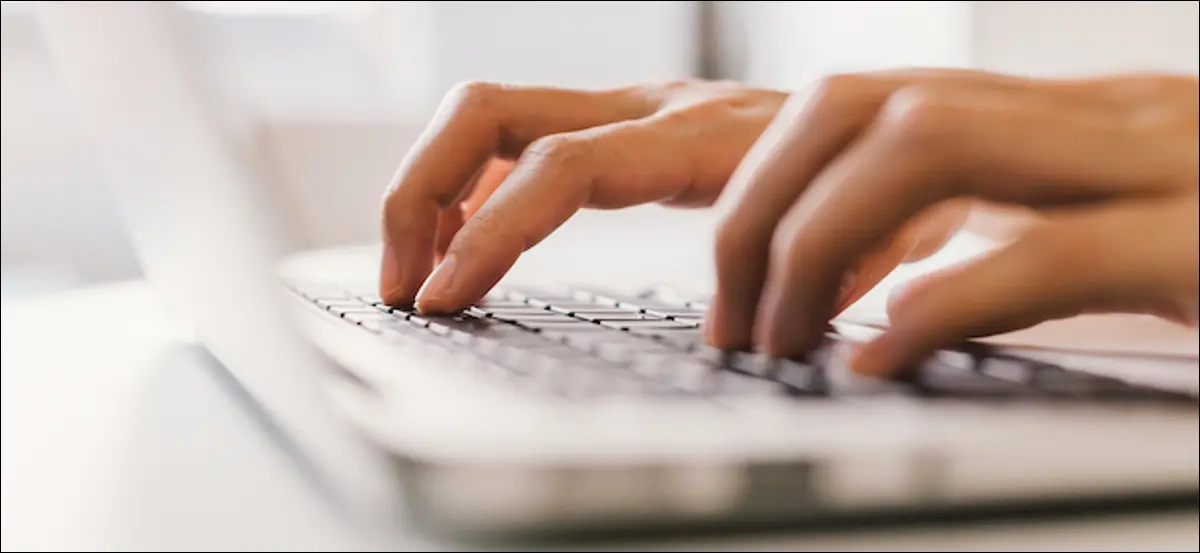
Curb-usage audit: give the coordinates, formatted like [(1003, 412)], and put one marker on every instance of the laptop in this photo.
[(570, 407)]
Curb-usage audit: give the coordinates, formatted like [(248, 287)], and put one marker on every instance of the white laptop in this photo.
[(572, 408)]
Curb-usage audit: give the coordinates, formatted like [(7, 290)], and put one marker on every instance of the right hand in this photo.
[(501, 167)]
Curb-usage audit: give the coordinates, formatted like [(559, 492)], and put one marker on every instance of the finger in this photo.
[(475, 123), (618, 165), (450, 220), (482, 186), (809, 132), (810, 129), (1089, 262), (928, 145), (920, 238), (858, 282), (489, 180), (935, 229)]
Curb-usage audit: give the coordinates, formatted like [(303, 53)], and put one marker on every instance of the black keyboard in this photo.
[(583, 344)]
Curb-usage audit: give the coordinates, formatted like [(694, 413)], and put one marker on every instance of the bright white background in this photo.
[(340, 89)]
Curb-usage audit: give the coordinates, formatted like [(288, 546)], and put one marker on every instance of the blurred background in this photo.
[(339, 90)]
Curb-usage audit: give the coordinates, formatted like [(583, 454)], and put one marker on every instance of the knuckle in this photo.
[(395, 210), (472, 96), (557, 149), (790, 245), (831, 88), (829, 98), (921, 118), (676, 85), (708, 110), (738, 105), (800, 254)]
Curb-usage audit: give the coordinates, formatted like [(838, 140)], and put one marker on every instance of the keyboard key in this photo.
[(962, 359), (615, 315), (1062, 383), (711, 355), (755, 364), (641, 387), (1059, 383), (934, 378), (545, 294), (463, 323), (367, 314), (682, 340), (742, 385), (511, 312), (340, 303), (650, 367), (568, 308), (690, 376), (541, 317), (648, 325), (398, 311), (354, 309), (800, 379), (663, 307), (371, 298), (629, 352), (1012, 370), (314, 290), (577, 336), (563, 325), (676, 313), (399, 327), (490, 304)]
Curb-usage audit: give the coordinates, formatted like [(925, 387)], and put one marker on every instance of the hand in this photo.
[(1109, 164), (501, 167)]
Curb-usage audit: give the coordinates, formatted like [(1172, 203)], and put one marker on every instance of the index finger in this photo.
[(476, 121), (617, 165)]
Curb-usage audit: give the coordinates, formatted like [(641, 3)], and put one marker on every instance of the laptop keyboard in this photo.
[(583, 344)]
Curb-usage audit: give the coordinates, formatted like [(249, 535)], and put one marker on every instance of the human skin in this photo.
[(1089, 183)]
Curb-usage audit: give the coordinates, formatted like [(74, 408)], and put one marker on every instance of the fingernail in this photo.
[(440, 286)]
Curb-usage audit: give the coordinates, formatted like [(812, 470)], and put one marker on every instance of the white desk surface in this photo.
[(113, 439)]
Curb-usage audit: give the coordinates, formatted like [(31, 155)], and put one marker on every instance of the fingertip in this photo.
[(876, 358), (439, 293), (392, 289), (457, 283), (784, 325), (722, 333), (436, 306), (897, 299), (439, 305), (449, 222), (906, 295)]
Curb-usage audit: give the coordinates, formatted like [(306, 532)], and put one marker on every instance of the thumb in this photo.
[(1058, 271)]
